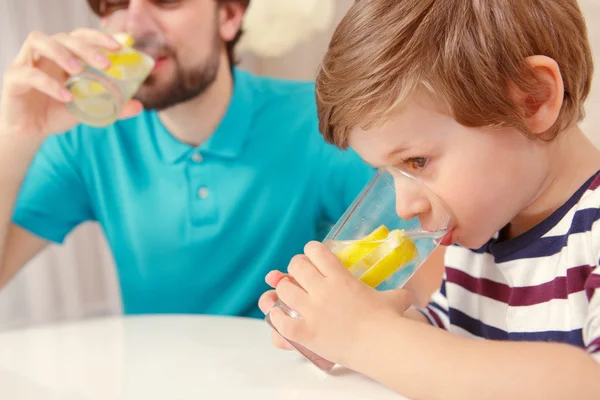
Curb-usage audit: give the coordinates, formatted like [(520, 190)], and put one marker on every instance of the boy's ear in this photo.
[(542, 108)]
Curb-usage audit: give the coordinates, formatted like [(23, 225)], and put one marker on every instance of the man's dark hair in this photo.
[(97, 7)]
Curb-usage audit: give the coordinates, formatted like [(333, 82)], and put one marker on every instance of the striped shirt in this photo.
[(543, 285)]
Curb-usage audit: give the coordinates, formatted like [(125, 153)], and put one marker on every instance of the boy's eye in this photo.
[(416, 163)]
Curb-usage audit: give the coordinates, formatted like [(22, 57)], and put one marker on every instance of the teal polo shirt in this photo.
[(195, 229)]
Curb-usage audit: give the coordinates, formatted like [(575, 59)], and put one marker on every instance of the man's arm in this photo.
[(42, 201), (47, 198), (17, 246)]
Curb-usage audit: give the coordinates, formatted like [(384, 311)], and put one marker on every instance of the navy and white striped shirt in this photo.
[(543, 285)]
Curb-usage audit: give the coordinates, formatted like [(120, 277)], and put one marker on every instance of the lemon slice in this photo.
[(122, 64), (356, 251), (124, 39), (397, 251), (129, 58), (90, 88)]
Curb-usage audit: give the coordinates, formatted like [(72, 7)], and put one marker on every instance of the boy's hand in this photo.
[(337, 309), (267, 301)]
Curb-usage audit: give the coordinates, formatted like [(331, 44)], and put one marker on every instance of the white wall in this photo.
[(591, 125), (303, 63)]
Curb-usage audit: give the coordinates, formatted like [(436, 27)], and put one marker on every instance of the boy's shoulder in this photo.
[(591, 193), (572, 228), (580, 213)]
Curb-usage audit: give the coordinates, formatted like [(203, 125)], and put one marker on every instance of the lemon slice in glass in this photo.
[(357, 250), (125, 59), (124, 39), (394, 253)]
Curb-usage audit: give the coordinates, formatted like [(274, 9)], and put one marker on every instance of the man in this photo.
[(222, 177)]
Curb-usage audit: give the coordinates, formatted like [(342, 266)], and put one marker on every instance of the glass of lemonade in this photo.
[(379, 248), (100, 95)]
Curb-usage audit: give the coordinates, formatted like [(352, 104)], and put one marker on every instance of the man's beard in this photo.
[(185, 85)]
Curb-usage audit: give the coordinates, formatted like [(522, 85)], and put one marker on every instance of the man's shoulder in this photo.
[(281, 93), (284, 106)]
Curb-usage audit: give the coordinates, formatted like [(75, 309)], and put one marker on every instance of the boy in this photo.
[(480, 101)]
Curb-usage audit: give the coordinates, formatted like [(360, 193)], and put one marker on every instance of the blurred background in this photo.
[(77, 279)]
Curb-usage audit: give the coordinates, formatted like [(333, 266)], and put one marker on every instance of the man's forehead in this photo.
[(99, 6)]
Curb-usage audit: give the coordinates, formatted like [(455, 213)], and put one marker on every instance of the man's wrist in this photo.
[(17, 151)]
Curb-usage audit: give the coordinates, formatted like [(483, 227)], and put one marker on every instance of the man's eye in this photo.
[(111, 6)]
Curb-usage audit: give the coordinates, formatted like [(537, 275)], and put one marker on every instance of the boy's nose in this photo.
[(411, 197), (409, 206)]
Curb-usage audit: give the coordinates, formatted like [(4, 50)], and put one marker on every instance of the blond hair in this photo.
[(467, 52)]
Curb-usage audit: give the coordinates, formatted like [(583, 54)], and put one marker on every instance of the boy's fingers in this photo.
[(293, 329), (292, 295), (274, 277), (325, 261), (267, 300), (280, 342), (304, 272)]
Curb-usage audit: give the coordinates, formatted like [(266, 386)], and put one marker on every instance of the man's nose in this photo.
[(137, 19)]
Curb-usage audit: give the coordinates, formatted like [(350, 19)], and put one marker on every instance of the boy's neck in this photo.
[(194, 121), (574, 160)]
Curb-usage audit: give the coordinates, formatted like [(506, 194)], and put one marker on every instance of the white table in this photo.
[(165, 358)]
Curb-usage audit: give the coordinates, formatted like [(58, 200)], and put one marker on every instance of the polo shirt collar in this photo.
[(229, 138)]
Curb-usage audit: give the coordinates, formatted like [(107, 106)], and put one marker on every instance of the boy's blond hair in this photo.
[(467, 52)]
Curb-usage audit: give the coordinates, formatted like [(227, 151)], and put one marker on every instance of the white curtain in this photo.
[(78, 279)]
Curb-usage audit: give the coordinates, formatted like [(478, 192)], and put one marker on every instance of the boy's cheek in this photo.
[(473, 238)]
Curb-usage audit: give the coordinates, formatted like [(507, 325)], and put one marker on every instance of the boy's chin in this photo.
[(472, 243)]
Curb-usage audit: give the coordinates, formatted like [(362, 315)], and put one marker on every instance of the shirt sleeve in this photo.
[(343, 175), (436, 311), (591, 328), (53, 198)]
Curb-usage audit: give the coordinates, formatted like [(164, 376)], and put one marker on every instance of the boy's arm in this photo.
[(423, 362), (436, 364), (416, 315)]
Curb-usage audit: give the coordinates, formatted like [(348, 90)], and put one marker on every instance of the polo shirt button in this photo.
[(197, 157), (203, 192)]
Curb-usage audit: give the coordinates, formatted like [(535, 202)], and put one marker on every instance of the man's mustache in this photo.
[(153, 46)]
